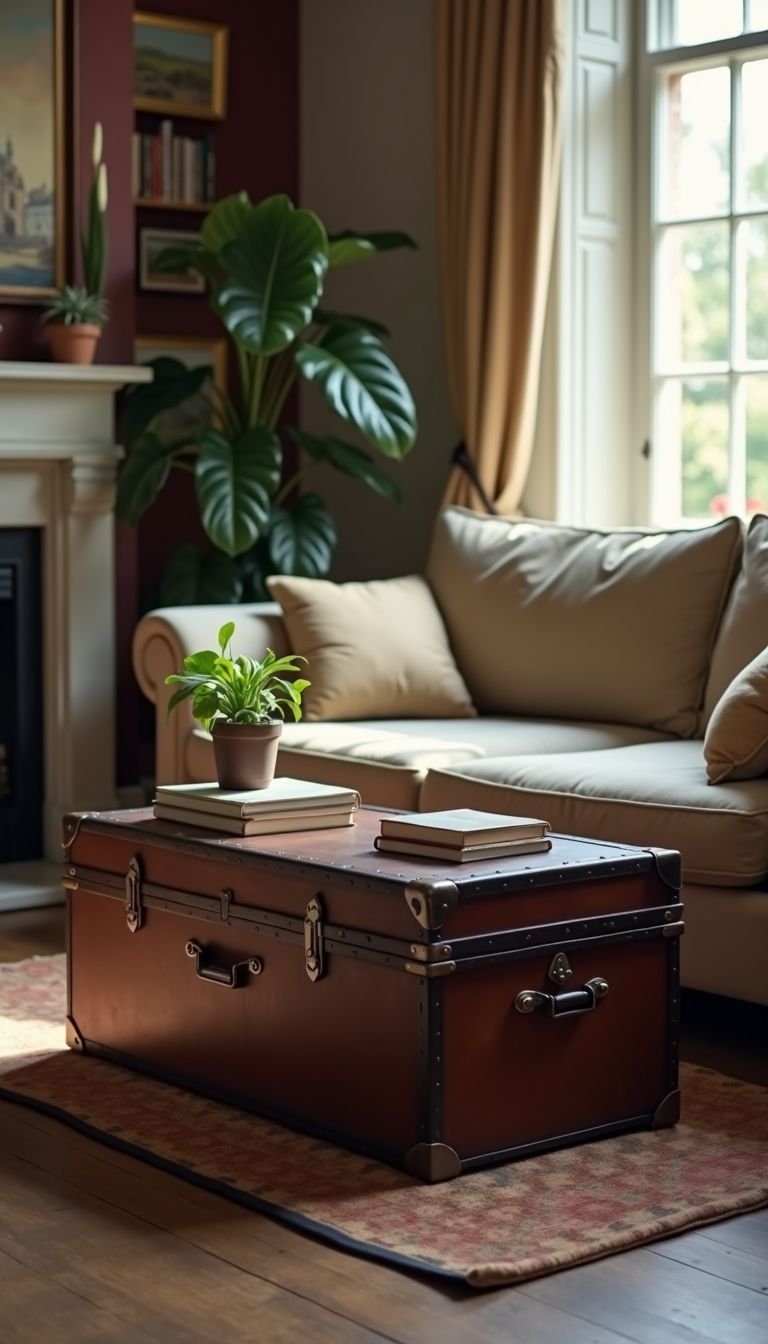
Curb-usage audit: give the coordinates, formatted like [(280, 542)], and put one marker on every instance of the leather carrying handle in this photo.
[(231, 977), (568, 1004)]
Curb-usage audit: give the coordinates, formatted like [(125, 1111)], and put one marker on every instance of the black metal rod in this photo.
[(461, 458)]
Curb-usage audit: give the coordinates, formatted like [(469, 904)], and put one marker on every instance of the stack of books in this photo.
[(285, 805), (462, 835)]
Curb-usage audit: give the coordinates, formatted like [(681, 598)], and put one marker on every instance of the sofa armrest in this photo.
[(161, 641)]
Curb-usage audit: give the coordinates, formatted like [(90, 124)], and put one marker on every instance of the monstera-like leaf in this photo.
[(363, 385), (235, 484), (173, 383), (350, 460), (225, 222), (276, 266), (344, 249), (301, 539), (193, 578), (143, 475)]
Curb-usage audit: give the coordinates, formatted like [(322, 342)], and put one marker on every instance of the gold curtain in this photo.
[(498, 67)]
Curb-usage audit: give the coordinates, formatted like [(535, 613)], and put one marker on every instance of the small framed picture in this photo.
[(179, 66), (151, 243), (196, 413)]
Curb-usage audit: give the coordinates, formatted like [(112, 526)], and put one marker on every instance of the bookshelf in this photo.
[(172, 169), (158, 203)]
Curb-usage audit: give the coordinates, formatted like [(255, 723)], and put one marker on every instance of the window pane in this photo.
[(757, 288), (754, 120), (758, 16), (704, 444), (707, 20), (696, 157), (694, 294), (757, 444)]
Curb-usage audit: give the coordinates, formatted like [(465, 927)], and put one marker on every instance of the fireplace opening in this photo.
[(21, 695)]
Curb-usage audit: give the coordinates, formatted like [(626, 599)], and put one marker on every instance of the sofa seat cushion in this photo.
[(387, 768), (655, 793), (550, 620), (501, 735)]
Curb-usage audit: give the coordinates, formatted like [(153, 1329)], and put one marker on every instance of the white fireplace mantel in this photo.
[(58, 461)]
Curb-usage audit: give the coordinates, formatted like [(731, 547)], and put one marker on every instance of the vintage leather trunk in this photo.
[(440, 1017)]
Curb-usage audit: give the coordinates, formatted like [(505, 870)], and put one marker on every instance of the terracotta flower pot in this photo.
[(246, 753), (72, 342)]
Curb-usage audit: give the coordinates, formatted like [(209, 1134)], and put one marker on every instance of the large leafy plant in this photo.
[(266, 266), (238, 690)]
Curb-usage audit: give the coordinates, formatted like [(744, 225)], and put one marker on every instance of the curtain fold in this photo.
[(498, 74)]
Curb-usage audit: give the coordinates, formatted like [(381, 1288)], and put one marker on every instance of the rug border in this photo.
[(277, 1211)]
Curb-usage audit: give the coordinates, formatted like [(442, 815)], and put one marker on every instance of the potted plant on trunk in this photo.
[(242, 703), (78, 312)]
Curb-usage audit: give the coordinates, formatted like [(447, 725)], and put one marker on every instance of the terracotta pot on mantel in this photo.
[(246, 753), (73, 342)]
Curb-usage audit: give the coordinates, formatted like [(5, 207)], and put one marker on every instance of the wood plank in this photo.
[(31, 933), (30, 1304), (724, 1262), (403, 1307), (748, 1233), (657, 1301)]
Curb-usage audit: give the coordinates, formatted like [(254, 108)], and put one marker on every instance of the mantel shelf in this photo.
[(79, 376)]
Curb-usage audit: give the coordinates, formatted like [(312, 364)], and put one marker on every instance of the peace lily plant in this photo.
[(78, 312), (266, 266)]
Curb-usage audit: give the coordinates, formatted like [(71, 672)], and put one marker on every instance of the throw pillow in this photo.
[(736, 741), (374, 650), (573, 623), (743, 630)]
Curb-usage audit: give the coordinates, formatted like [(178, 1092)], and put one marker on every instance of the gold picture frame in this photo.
[(200, 51), (26, 292)]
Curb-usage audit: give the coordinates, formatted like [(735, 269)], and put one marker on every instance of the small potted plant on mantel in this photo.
[(79, 312), (242, 703)]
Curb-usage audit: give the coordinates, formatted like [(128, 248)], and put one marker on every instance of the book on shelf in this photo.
[(462, 826), (284, 794), (460, 853), (173, 168), (276, 823)]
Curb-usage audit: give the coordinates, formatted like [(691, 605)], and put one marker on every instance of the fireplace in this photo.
[(21, 695), (58, 461)]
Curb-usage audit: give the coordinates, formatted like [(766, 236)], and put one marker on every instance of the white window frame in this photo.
[(658, 481)]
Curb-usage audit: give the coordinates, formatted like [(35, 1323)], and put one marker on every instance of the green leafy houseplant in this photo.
[(78, 312), (242, 702), (266, 266)]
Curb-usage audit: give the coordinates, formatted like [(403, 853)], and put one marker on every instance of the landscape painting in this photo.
[(31, 130), (179, 66)]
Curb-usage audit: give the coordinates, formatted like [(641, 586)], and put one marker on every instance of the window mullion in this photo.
[(737, 453)]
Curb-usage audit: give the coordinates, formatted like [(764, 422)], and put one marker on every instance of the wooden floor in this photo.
[(97, 1246)]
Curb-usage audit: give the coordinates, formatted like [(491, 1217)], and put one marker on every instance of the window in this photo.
[(707, 67)]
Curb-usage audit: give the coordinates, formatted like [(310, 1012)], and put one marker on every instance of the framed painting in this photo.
[(151, 244), (195, 413), (179, 66), (32, 207)]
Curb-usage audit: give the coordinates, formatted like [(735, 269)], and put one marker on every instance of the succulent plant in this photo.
[(75, 306)]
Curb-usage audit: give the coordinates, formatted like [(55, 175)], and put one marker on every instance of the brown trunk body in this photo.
[(381, 1001)]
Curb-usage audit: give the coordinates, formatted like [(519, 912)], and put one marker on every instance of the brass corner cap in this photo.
[(433, 1162), (431, 902)]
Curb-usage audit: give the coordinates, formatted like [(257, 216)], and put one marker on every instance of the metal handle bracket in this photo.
[(230, 977), (569, 1004)]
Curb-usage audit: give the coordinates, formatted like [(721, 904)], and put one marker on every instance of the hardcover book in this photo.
[(460, 853), (282, 795), (275, 824), (463, 826)]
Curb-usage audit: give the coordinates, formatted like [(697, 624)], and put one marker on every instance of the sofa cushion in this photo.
[(375, 650), (652, 794), (743, 631), (495, 735), (386, 768), (560, 621), (736, 741)]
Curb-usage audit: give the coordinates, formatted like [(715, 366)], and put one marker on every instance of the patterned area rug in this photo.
[(502, 1225)]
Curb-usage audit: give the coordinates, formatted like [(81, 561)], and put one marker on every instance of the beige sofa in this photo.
[(594, 661)]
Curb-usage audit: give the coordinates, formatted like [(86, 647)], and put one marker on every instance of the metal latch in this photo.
[(314, 960), (134, 913)]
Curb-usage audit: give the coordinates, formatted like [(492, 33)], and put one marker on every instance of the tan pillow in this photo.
[(736, 742), (743, 631), (375, 650), (564, 622)]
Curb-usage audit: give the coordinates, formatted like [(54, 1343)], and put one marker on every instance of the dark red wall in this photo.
[(256, 149)]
